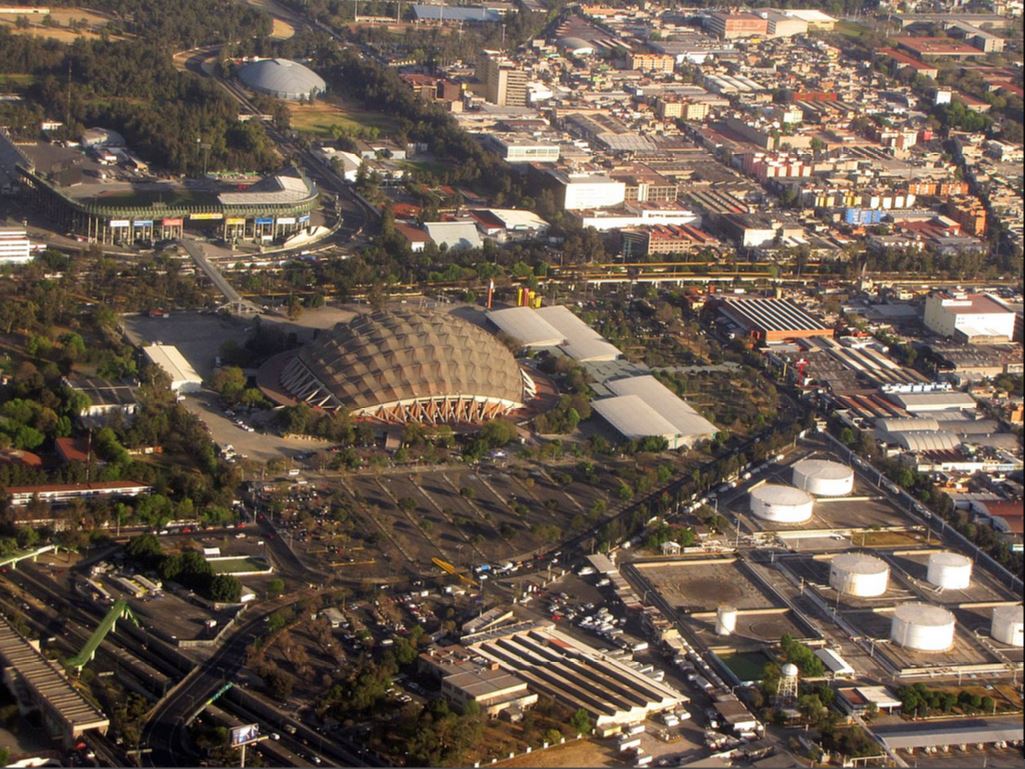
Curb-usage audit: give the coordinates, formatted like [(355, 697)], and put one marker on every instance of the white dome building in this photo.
[(781, 504), (823, 478), (282, 78), (922, 627), (949, 571), (1008, 625), (858, 574)]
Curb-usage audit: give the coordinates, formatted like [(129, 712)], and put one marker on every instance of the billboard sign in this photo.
[(142, 223), (286, 220), (207, 215), (118, 223), (264, 220), (236, 220), (171, 222), (243, 735)]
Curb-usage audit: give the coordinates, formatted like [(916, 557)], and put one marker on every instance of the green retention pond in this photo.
[(746, 666)]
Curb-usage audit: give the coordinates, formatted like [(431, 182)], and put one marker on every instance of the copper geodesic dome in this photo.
[(409, 365)]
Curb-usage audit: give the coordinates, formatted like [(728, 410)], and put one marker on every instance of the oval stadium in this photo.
[(406, 365), (283, 79)]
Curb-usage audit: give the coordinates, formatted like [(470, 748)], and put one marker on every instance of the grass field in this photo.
[(89, 24), (16, 79), (885, 539), (320, 117), (238, 565)]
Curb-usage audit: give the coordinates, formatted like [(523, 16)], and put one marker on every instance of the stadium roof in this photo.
[(282, 77), (455, 13), (280, 188), (404, 357), (526, 327), (685, 420)]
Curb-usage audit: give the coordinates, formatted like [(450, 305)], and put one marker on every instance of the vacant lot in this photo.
[(704, 585), (573, 753), (324, 116), (63, 24)]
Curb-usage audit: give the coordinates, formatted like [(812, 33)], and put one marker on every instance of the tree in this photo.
[(225, 588), (229, 382), (580, 721)]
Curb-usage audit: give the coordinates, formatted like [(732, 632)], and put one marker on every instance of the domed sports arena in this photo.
[(408, 365), (282, 78)]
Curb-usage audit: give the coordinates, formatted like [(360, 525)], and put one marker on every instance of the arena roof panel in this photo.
[(406, 358)]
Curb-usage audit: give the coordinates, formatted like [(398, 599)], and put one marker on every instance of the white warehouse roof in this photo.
[(688, 423), (582, 343), (634, 419), (834, 662), (454, 235), (527, 327), (173, 363), (591, 350), (936, 401)]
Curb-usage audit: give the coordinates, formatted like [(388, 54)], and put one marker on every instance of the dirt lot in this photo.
[(702, 586), (573, 753)]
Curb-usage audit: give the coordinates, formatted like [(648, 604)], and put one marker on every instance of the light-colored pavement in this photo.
[(259, 446)]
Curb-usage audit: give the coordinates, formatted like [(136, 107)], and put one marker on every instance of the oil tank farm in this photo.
[(781, 504), (949, 571), (859, 575), (1008, 624), (282, 78), (922, 627), (823, 478)]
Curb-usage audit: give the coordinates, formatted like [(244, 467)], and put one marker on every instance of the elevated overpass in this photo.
[(40, 684)]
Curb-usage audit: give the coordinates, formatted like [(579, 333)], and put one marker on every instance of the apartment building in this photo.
[(505, 84)]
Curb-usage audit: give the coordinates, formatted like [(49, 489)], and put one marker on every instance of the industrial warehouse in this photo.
[(104, 198)]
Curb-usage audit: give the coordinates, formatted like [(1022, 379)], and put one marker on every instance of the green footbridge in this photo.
[(120, 610)]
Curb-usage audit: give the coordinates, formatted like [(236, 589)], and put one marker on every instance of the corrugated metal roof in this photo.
[(687, 422), (527, 327), (927, 440), (957, 733), (633, 418)]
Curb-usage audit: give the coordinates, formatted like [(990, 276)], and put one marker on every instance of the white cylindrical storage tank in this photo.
[(823, 478), (923, 627), (1008, 624), (857, 574), (789, 670), (725, 620), (783, 504), (950, 571)]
